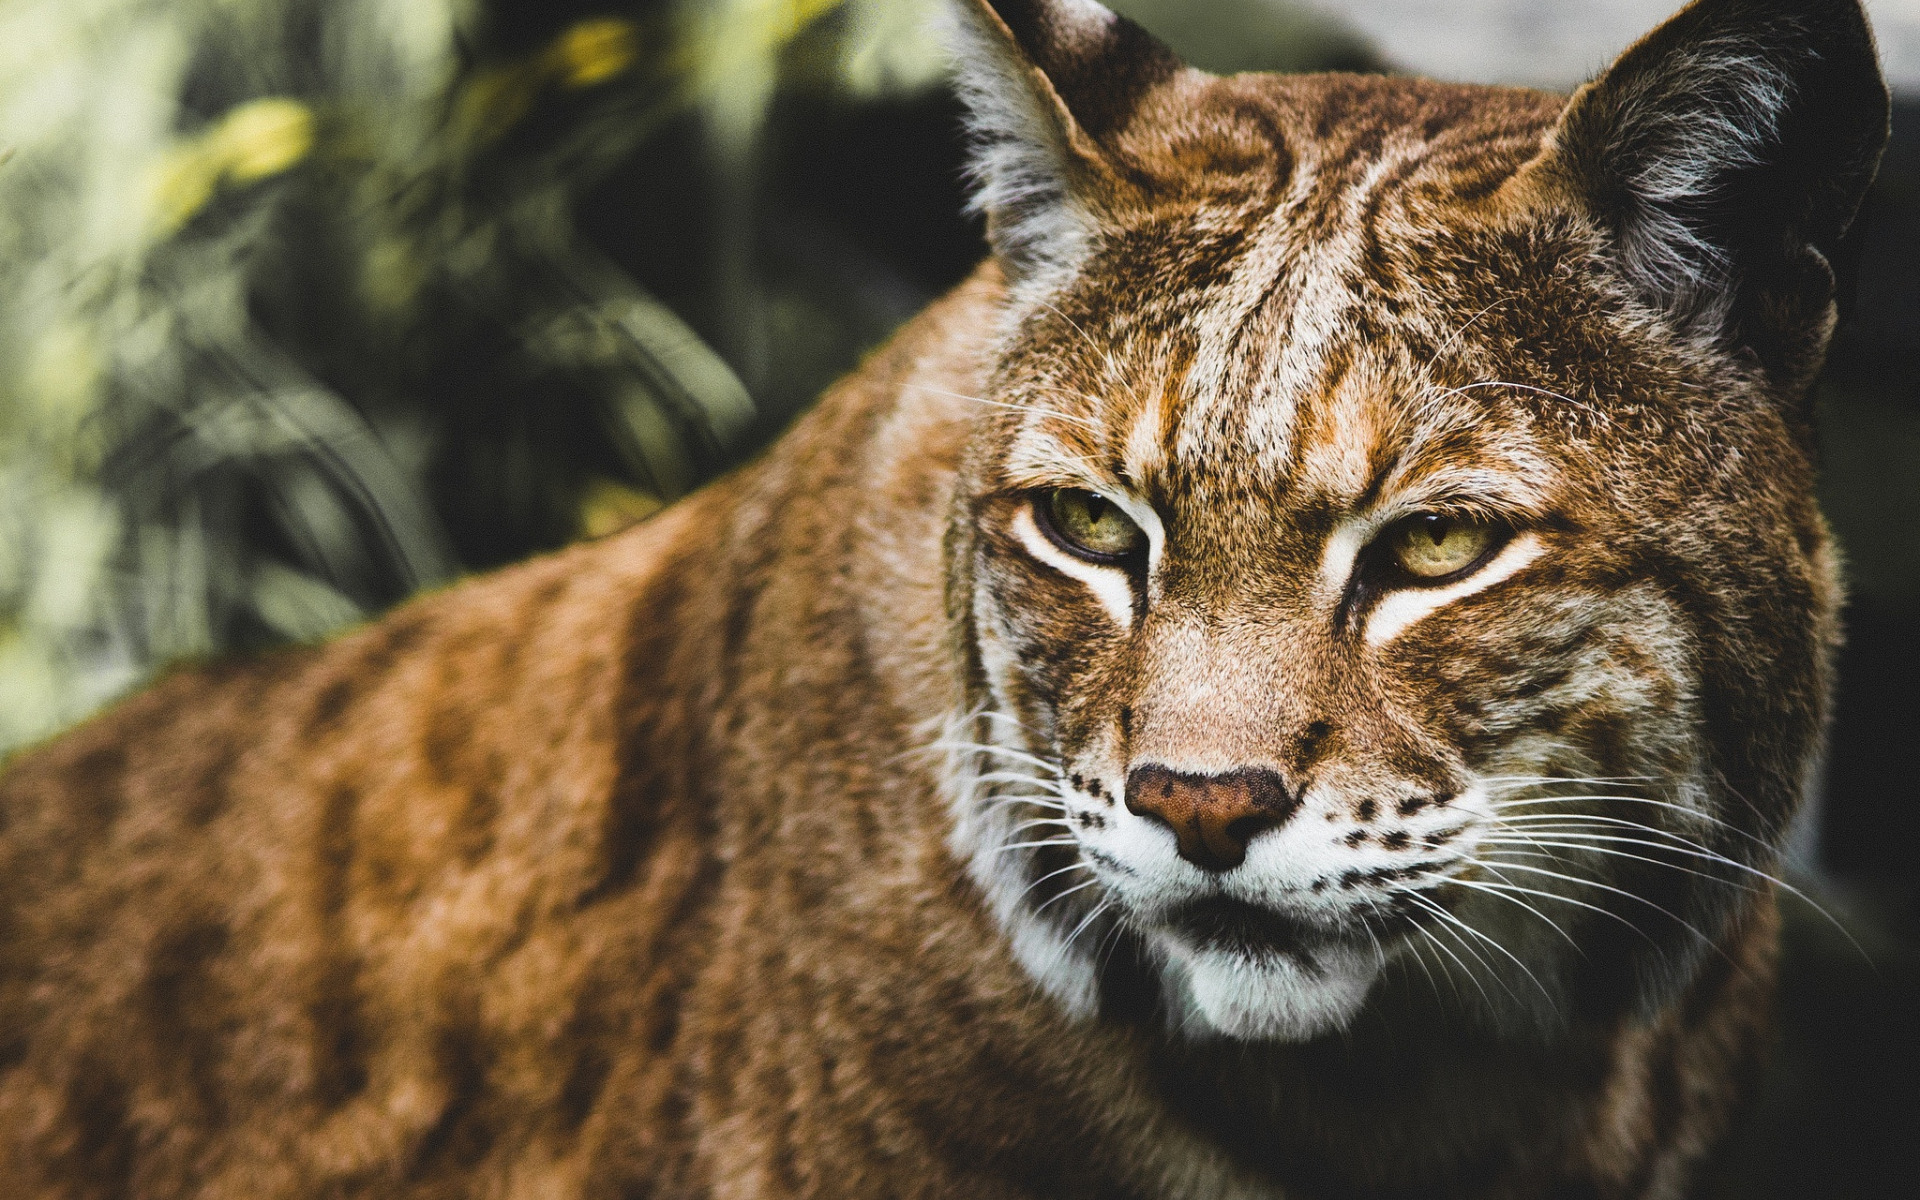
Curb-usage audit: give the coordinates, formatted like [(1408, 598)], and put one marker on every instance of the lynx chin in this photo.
[(1290, 682)]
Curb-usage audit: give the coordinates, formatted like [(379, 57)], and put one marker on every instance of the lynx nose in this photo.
[(1213, 816)]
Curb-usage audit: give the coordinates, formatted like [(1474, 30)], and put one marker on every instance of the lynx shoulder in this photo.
[(1289, 682)]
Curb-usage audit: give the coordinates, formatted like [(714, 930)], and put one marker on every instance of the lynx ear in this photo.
[(1726, 153), (1046, 84)]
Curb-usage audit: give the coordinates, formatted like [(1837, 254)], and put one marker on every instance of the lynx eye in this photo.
[(1088, 524), (1432, 546)]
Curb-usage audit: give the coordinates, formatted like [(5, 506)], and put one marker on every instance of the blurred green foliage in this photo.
[(297, 318)]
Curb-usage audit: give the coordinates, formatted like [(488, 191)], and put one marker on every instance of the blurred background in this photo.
[(306, 305)]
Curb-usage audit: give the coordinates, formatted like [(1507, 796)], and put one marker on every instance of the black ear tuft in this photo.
[(1726, 153), (1046, 83)]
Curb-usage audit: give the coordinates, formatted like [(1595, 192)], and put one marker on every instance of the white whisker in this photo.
[(1510, 819), (1440, 911), (1455, 335), (1544, 846), (1017, 773), (1572, 825), (1003, 751), (1501, 888), (1420, 958), (1031, 409), (994, 714), (1534, 780), (1106, 352), (1550, 922), (1103, 906), (1449, 393), (1073, 866), (1078, 887), (1449, 922), (1037, 822), (1442, 946), (1004, 801), (1607, 887), (1562, 798), (1035, 845)]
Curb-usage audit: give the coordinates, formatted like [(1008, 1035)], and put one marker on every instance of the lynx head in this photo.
[(1388, 550)]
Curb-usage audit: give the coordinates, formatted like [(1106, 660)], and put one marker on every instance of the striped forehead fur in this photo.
[(1267, 331)]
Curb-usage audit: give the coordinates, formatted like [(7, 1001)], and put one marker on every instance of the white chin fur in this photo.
[(1279, 998)]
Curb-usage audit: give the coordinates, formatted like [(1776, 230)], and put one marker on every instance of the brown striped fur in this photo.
[(693, 862)]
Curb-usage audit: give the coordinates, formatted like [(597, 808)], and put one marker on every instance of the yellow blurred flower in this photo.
[(262, 138), (609, 507), (594, 52), (259, 139)]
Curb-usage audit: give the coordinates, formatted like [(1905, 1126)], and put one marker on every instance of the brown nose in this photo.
[(1213, 816)]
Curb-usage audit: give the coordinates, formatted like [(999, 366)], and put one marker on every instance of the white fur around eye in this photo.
[(1109, 585), (1398, 610), (1341, 552)]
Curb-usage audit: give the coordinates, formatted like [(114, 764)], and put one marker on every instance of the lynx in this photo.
[(1290, 682)]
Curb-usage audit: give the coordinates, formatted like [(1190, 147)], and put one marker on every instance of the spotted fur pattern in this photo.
[(784, 846)]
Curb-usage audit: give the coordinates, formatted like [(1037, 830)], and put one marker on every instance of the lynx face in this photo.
[(1392, 561)]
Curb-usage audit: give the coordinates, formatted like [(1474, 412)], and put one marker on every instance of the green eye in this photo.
[(1088, 524), (1432, 546)]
